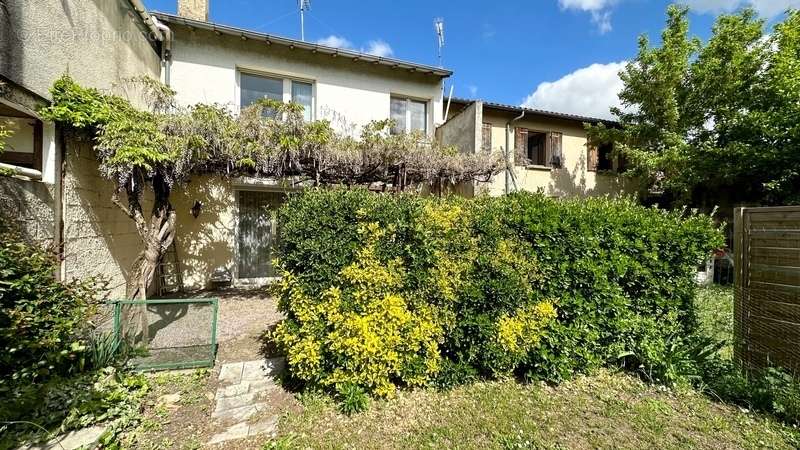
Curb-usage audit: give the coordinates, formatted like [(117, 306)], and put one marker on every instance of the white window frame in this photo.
[(287, 87), (408, 100)]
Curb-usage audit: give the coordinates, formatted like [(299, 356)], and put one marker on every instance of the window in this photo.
[(538, 148), (486, 136), (256, 87), (23, 148), (301, 94), (601, 158), (408, 115)]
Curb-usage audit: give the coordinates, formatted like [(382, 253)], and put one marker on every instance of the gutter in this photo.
[(166, 48), (146, 18), (509, 174)]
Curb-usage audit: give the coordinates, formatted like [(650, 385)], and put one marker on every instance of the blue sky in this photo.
[(553, 54)]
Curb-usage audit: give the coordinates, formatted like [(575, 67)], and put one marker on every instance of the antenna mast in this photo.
[(438, 25), (304, 6)]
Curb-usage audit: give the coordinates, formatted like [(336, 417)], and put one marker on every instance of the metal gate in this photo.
[(167, 334), (767, 287)]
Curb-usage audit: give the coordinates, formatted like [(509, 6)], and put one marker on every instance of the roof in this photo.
[(294, 43), (537, 112)]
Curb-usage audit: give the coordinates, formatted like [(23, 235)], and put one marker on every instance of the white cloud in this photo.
[(600, 11), (473, 90), (378, 48), (335, 42), (767, 8), (589, 91)]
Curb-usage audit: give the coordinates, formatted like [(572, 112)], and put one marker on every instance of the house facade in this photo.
[(546, 151), (228, 225)]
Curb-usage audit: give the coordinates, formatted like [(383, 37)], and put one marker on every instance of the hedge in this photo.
[(383, 291)]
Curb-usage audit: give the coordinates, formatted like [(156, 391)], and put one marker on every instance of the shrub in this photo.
[(521, 284), (42, 321)]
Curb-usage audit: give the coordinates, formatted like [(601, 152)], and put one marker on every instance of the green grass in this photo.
[(605, 410), (714, 306)]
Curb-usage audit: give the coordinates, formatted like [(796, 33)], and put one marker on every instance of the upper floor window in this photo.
[(538, 148), (602, 158), (409, 115), (256, 87)]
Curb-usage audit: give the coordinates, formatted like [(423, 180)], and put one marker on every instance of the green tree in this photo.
[(713, 121)]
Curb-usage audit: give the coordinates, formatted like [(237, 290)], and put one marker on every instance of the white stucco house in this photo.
[(58, 197)]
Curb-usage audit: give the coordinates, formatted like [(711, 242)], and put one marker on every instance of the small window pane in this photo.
[(255, 88), (301, 94), (419, 117), (398, 114)]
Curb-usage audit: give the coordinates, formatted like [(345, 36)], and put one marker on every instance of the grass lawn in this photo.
[(604, 410)]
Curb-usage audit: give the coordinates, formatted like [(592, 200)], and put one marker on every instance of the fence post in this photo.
[(739, 292)]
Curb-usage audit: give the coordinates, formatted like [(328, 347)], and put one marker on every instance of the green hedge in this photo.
[(482, 276)]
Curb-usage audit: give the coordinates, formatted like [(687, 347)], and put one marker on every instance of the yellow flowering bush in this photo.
[(518, 333), (362, 331)]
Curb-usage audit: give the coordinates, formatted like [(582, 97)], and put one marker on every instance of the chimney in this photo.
[(193, 9)]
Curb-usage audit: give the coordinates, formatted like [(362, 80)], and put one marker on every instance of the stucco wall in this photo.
[(205, 69), (572, 179), (463, 130), (29, 205), (97, 41), (206, 242), (99, 239)]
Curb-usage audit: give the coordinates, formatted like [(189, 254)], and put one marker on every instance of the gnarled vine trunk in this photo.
[(157, 235)]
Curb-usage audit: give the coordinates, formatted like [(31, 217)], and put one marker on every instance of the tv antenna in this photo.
[(304, 5), (438, 25)]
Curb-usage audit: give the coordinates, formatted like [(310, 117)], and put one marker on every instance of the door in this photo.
[(258, 233)]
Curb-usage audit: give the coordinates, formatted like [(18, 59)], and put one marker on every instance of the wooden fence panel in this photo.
[(767, 287)]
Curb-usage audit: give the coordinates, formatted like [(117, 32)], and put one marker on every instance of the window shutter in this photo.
[(592, 157), (521, 147), (555, 158), (486, 134)]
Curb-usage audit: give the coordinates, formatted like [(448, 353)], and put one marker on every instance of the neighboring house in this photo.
[(549, 151), (60, 198)]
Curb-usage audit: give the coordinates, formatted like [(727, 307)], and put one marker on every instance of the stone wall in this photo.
[(99, 239)]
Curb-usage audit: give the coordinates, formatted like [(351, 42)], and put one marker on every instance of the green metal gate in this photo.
[(168, 333)]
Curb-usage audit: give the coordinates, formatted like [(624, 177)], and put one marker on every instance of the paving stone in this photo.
[(262, 385), (237, 431), (233, 390), (86, 437), (269, 425), (239, 414), (231, 373), (237, 401)]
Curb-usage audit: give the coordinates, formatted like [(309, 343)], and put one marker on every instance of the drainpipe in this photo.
[(509, 168), (166, 47)]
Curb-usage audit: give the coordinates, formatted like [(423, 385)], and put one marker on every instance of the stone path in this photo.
[(240, 399)]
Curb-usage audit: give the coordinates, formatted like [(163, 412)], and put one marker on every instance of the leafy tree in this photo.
[(158, 147), (713, 121)]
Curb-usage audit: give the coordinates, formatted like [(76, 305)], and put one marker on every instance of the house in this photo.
[(549, 151), (59, 198)]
